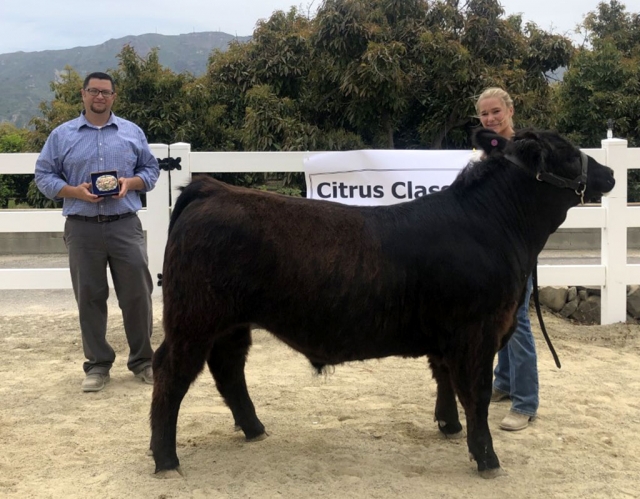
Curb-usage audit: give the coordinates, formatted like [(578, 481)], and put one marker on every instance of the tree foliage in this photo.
[(603, 82), (377, 74), (153, 97), (391, 73), (364, 73), (13, 139)]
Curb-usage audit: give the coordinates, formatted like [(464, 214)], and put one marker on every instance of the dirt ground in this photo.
[(365, 431)]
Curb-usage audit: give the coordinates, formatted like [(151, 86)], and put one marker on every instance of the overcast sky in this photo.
[(34, 25)]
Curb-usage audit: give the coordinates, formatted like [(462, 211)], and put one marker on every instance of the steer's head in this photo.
[(550, 158)]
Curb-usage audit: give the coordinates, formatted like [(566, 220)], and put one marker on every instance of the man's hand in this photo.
[(129, 184), (82, 192)]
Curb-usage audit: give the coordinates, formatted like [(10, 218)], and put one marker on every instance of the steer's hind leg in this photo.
[(174, 369), (226, 363), (446, 413)]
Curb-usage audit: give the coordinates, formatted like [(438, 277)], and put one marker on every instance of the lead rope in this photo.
[(536, 300)]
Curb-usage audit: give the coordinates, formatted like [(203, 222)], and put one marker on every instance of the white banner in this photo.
[(381, 177)]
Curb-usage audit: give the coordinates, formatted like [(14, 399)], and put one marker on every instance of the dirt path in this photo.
[(365, 431)]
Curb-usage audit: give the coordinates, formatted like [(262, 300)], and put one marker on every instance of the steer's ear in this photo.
[(489, 141), (530, 144)]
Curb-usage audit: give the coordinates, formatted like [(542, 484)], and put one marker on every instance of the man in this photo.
[(104, 229)]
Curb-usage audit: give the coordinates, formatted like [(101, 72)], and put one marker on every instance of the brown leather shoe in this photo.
[(514, 421)]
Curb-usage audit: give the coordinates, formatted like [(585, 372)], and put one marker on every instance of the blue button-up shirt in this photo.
[(77, 148)]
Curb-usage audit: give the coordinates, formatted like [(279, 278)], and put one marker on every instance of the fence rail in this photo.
[(613, 217)]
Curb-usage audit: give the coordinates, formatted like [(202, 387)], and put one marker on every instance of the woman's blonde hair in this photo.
[(497, 93)]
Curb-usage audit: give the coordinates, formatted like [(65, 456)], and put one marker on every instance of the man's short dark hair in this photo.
[(99, 76)]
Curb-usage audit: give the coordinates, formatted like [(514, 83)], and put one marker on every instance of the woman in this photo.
[(516, 374)]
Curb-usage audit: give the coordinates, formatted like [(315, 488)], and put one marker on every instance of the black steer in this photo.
[(441, 276)]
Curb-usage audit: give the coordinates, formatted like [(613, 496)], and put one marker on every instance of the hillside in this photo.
[(25, 76)]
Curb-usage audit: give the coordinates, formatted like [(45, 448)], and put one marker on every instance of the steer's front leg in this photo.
[(481, 449), (472, 377)]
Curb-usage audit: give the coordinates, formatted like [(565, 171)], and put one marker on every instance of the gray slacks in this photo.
[(121, 245)]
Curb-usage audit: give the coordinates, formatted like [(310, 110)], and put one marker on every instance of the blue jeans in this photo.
[(516, 373)]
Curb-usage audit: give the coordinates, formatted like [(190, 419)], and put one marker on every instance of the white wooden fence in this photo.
[(613, 217)]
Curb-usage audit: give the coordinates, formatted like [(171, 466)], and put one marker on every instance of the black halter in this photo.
[(578, 184)]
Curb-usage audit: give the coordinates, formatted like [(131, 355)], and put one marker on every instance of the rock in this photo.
[(588, 311), (554, 297), (572, 293), (570, 307), (633, 302), (583, 294)]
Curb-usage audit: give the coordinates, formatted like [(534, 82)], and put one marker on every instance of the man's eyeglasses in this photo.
[(94, 92)]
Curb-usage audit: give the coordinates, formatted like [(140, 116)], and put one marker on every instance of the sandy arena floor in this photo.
[(366, 431)]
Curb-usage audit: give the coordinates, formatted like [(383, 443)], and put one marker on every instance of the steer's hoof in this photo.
[(169, 474), (492, 473), (262, 436), (454, 436), (451, 431)]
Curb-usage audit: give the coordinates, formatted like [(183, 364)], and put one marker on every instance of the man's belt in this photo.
[(101, 218)]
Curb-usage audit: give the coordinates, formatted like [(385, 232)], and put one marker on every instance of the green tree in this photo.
[(172, 107), (406, 73), (612, 22), (13, 188), (261, 83), (361, 73), (467, 50), (394, 73), (13, 139), (152, 96), (603, 82)]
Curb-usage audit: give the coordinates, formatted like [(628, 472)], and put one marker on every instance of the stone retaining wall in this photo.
[(583, 304)]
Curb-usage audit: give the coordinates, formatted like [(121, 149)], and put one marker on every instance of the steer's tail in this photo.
[(200, 187)]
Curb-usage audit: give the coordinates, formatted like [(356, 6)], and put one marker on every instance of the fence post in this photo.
[(157, 218), (180, 178), (614, 236)]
